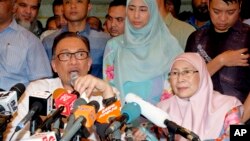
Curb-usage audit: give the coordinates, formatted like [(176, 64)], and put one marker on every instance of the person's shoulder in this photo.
[(26, 34), (44, 84), (52, 36), (184, 25), (117, 40), (99, 34)]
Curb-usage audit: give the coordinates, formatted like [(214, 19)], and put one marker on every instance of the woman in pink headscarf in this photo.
[(195, 105)]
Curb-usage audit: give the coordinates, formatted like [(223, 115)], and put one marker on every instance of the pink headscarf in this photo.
[(205, 112)]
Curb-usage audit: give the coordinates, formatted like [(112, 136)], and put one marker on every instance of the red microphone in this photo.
[(67, 100)]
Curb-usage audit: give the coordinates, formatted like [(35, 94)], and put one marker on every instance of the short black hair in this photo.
[(118, 3), (57, 2), (176, 4), (66, 35), (48, 21), (231, 1), (245, 12)]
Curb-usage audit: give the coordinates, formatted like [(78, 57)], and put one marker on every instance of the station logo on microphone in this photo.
[(239, 132)]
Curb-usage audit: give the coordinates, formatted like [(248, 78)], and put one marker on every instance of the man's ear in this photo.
[(90, 7), (89, 63), (14, 9), (53, 65)]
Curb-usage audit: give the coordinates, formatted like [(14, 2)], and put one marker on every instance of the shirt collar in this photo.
[(84, 31)]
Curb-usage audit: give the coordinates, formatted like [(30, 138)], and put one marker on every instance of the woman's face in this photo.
[(138, 13), (184, 79)]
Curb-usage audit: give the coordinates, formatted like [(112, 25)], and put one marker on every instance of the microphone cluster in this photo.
[(82, 115)]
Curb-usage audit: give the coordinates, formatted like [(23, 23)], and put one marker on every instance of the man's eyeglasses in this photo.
[(80, 55), (185, 73)]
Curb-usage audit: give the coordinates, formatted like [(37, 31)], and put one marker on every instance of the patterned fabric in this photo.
[(232, 118)]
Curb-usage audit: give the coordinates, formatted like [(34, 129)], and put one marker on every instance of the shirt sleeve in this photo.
[(38, 62), (233, 117)]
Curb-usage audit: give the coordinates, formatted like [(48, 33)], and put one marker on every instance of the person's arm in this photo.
[(233, 117), (246, 113), (228, 58)]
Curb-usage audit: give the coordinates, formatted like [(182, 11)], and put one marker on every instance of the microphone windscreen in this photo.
[(19, 88), (73, 76), (94, 104), (78, 102), (58, 92), (132, 110), (151, 112), (111, 111)]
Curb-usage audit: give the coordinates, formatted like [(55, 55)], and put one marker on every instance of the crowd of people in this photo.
[(192, 65)]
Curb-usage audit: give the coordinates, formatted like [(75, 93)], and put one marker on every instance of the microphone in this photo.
[(73, 76), (111, 111), (85, 115), (71, 118), (66, 100), (130, 112), (160, 117), (88, 112), (104, 117), (49, 120), (175, 128), (58, 92), (36, 108), (151, 112), (8, 100), (45, 99)]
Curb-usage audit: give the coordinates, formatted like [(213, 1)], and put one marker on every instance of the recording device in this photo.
[(130, 112), (45, 99), (85, 116), (9, 100), (160, 117)]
